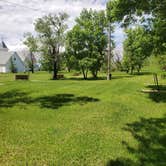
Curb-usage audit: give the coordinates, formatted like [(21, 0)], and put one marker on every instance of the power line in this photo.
[(20, 5)]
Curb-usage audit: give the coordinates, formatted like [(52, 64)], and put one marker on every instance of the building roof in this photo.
[(4, 57), (3, 46), (23, 54)]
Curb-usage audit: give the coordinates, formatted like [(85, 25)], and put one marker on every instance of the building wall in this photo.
[(2, 69), (19, 65)]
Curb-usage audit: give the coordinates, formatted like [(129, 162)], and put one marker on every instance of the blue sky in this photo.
[(17, 17)]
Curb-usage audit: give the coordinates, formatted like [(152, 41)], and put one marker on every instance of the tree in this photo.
[(137, 47), (110, 22), (70, 61), (31, 43), (162, 62), (148, 13), (88, 40), (117, 61), (51, 34)]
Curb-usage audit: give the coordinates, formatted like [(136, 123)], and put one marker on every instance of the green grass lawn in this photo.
[(77, 122)]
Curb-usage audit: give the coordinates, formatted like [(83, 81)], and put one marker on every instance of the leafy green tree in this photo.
[(137, 47), (70, 61), (159, 36), (85, 65), (126, 63), (51, 35), (31, 43), (46, 63), (88, 40), (162, 62), (150, 13)]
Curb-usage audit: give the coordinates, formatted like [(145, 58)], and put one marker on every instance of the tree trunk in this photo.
[(84, 74), (32, 68), (132, 69), (138, 71), (55, 71), (32, 63), (139, 68), (55, 62), (94, 73), (109, 53)]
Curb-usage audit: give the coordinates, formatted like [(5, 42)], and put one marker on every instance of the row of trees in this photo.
[(86, 43)]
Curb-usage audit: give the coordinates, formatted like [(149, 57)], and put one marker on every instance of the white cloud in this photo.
[(17, 16)]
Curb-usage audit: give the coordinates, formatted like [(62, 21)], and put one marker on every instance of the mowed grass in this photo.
[(77, 122)]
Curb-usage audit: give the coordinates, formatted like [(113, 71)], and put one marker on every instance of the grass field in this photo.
[(76, 122)]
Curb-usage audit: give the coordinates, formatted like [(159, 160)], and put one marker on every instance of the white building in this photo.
[(8, 58), (17, 60), (27, 58)]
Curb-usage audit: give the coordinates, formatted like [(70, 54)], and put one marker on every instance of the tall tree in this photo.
[(137, 47), (51, 33), (151, 13), (87, 41), (31, 43), (110, 30)]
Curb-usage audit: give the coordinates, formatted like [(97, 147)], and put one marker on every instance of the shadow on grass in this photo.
[(59, 100), (143, 73), (88, 79), (99, 78), (131, 75), (121, 162), (14, 97), (159, 96), (122, 76), (151, 137)]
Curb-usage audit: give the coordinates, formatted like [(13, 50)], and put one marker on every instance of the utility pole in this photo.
[(109, 53)]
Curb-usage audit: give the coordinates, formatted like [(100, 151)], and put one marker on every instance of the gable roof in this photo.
[(23, 54), (3, 46), (18, 57), (4, 57)]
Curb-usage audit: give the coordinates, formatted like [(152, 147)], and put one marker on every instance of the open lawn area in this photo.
[(77, 122)]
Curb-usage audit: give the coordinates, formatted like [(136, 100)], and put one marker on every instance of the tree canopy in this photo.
[(137, 47), (151, 12), (31, 42), (51, 34), (87, 41)]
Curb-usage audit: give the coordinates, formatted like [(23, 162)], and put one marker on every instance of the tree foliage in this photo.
[(51, 34), (87, 41), (127, 11), (162, 62), (31, 42), (69, 61), (137, 47), (149, 12)]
